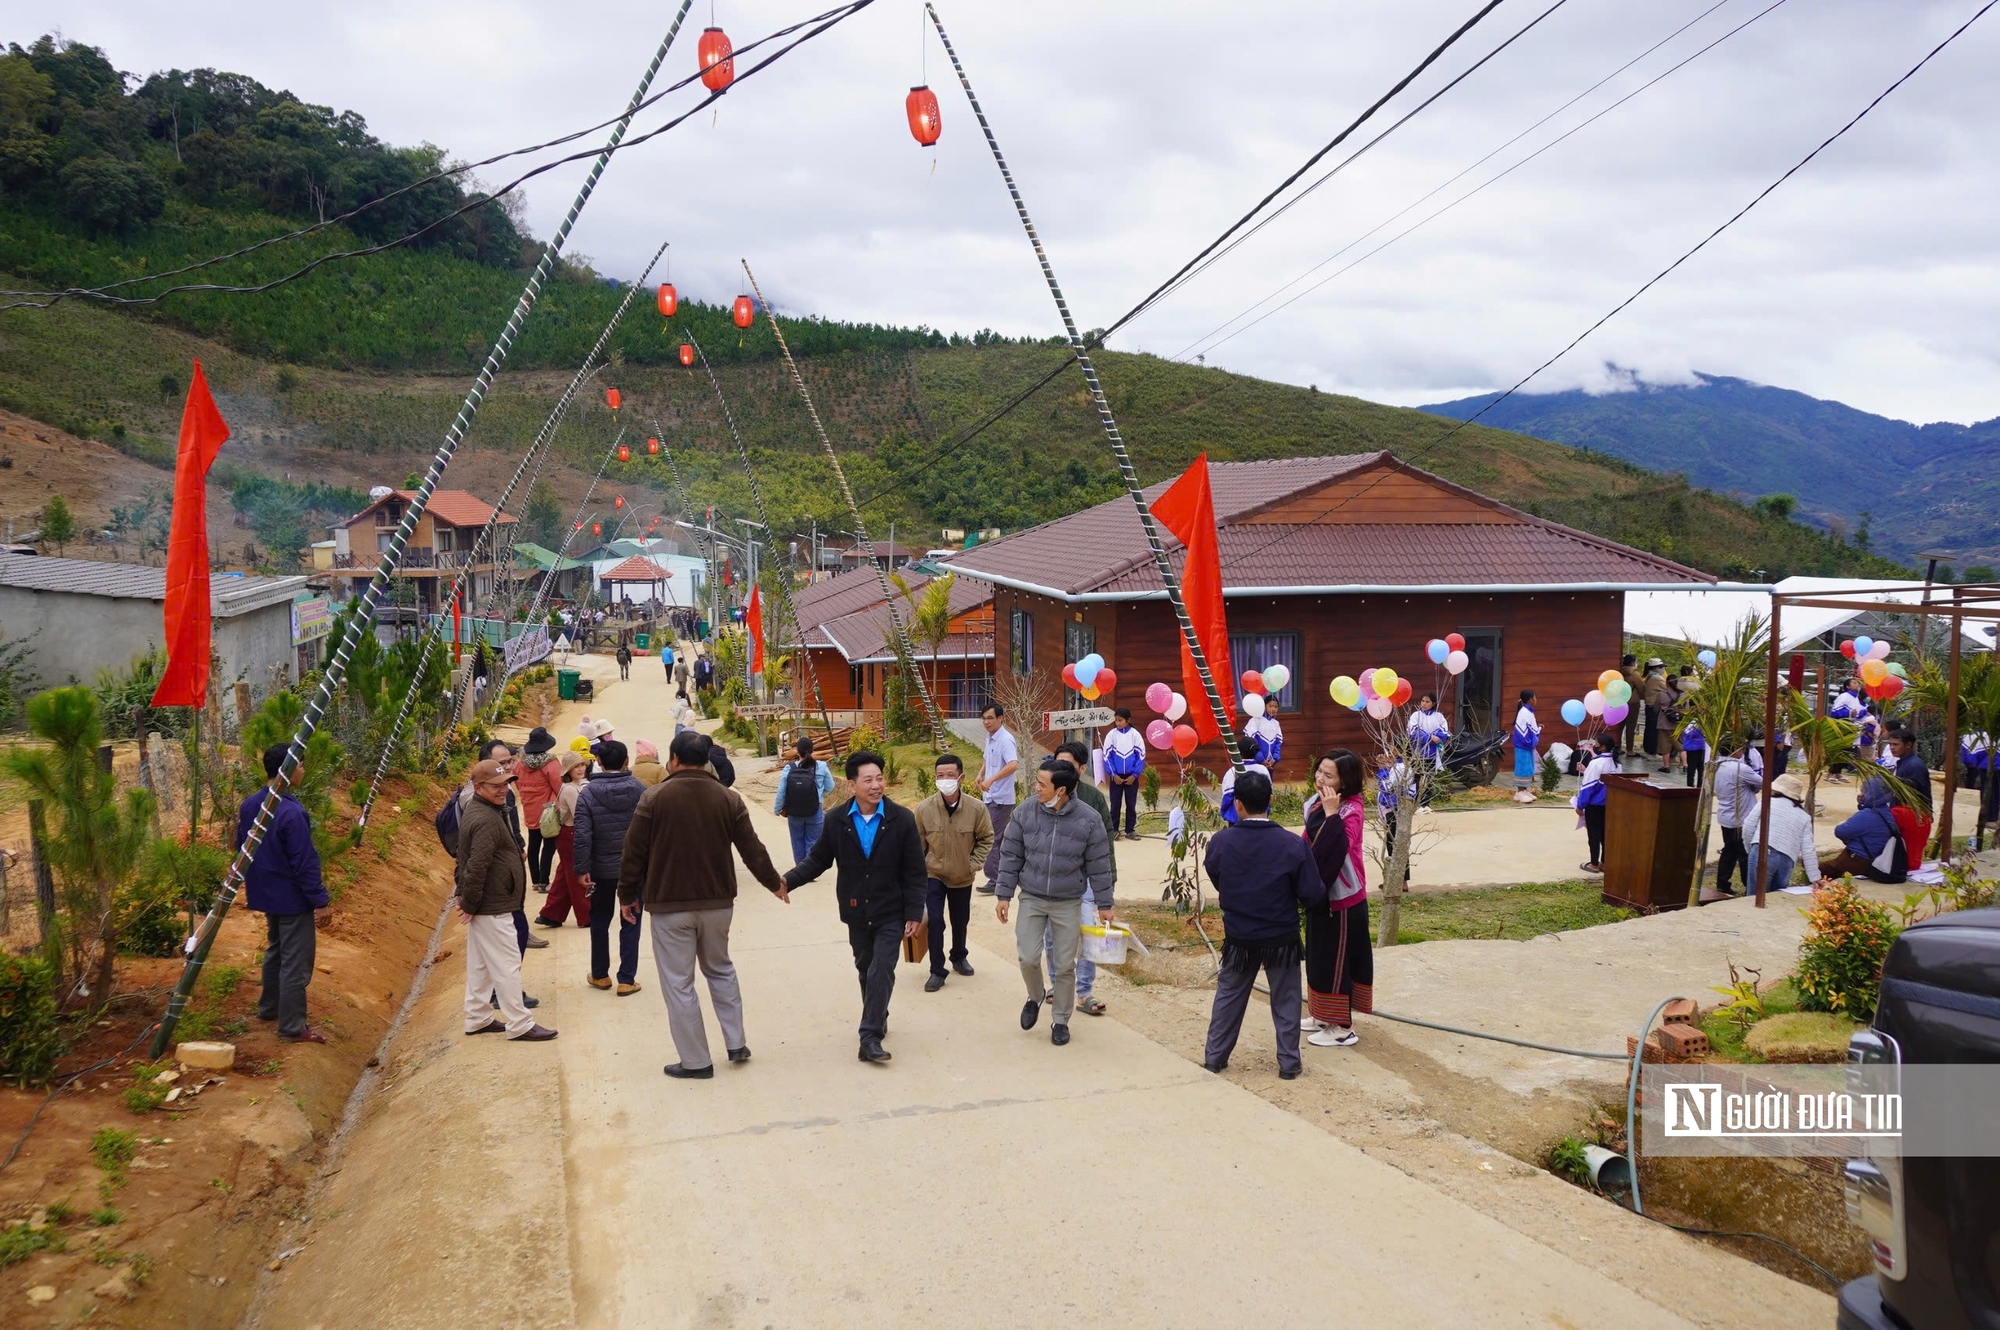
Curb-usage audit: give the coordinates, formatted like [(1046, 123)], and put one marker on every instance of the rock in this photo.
[(275, 1266), (166, 1078), (42, 1293), (208, 1054), (115, 1287), (38, 1220)]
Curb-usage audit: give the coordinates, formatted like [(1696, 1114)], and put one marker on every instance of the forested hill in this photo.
[(1900, 487), (349, 376)]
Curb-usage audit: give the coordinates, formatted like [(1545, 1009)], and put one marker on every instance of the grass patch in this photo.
[(1726, 1032), (1512, 914), (145, 1094), (113, 1149), (221, 981), (19, 1242), (105, 1217)]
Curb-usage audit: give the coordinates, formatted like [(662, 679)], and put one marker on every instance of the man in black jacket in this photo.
[(603, 814), (879, 854)]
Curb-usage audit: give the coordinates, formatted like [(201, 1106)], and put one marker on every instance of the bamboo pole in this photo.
[(1763, 869), (1950, 732)]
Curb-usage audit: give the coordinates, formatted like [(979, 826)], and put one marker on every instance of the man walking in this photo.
[(1738, 780), (996, 781), (1264, 875), (879, 853), (802, 792), (492, 885), (957, 834), (604, 810), (676, 865), (1124, 764), (283, 884), (1077, 757), (624, 657), (1054, 851)]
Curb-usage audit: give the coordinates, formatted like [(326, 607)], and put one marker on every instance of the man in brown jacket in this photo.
[(957, 833), (492, 885), (676, 864)]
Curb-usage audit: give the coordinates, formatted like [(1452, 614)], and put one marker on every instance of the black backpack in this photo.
[(801, 789), (447, 824)]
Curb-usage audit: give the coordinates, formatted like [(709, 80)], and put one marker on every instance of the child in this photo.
[(1694, 746), (1527, 738), (1393, 784), (1589, 801)]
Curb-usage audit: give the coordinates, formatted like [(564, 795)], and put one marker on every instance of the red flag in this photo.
[(203, 432), (1187, 510), (753, 619), (457, 635)]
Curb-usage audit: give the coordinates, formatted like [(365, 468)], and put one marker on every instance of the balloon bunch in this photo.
[(1448, 651), (1164, 734), (1259, 685), (1377, 692), (1610, 701), (1090, 676), (1881, 678)]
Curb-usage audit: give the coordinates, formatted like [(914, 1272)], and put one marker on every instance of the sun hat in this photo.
[(571, 760), (1790, 787), (539, 741), (602, 729), (646, 750)]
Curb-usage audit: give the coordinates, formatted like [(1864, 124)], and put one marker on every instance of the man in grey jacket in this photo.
[(603, 815), (1054, 849)]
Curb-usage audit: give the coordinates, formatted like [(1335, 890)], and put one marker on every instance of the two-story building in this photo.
[(440, 547)]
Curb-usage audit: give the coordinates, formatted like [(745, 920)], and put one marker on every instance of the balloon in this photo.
[(1615, 713), (1896, 669), (1252, 681), (1592, 704), (1403, 693), (1454, 641), (1618, 691), (1380, 707), (1385, 682), (1070, 679), (1176, 707), (1456, 662), (1106, 680), (1862, 646), (1880, 651), (1091, 692), (1185, 740), (1253, 705), (1085, 672), (1159, 733), (1359, 703), (1276, 678), (1437, 649), (1345, 691), (1847, 648), (1573, 712), (1158, 697), (1707, 659), (1874, 672), (1606, 679), (1891, 687)]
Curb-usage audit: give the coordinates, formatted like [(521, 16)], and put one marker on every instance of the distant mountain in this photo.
[(1922, 486)]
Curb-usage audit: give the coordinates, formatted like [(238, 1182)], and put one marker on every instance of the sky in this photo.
[(1138, 129)]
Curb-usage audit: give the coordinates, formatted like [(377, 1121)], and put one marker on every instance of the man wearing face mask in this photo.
[(1054, 849), (957, 833)]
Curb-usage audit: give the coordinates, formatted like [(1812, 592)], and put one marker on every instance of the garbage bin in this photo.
[(643, 641), (566, 684)]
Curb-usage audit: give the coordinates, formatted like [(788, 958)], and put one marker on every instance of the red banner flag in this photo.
[(1187, 510), (203, 432), (753, 619), (457, 632)]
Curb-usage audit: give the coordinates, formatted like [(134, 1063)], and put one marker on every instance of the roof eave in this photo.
[(1377, 588)]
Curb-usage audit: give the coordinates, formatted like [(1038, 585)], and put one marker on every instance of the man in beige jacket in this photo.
[(957, 833)]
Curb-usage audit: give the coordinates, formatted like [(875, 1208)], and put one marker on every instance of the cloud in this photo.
[(1137, 130)]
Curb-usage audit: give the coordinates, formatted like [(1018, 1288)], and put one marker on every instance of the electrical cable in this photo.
[(702, 542), (1290, 530), (36, 300), (1198, 343)]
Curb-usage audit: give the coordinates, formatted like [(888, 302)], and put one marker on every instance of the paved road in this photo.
[(985, 1176)]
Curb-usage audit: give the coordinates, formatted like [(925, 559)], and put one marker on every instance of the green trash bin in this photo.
[(566, 684), (644, 641)]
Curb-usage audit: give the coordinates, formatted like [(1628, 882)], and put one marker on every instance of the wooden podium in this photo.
[(1648, 843)]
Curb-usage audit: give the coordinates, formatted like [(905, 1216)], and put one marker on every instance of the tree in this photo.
[(930, 620), (1980, 572), (108, 196), (58, 523), (1780, 506), (543, 515)]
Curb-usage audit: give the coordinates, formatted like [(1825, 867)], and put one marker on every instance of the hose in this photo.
[(1632, 1104)]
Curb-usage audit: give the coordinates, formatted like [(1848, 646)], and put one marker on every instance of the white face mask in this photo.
[(947, 787), (1050, 804)]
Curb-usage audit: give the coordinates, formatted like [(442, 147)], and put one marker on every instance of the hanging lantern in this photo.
[(744, 311), (922, 108), (687, 353), (611, 398), (653, 447), (597, 528), (624, 453), (669, 300), (718, 71), (579, 526), (618, 502)]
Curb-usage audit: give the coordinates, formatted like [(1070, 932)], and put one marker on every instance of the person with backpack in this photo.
[(603, 816), (1872, 843), (801, 797), (624, 655), (538, 779)]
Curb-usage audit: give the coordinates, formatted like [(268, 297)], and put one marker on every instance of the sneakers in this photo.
[(1031, 1011), (1334, 1036), (934, 983), (536, 942), (627, 990), (596, 981), (1308, 1025)]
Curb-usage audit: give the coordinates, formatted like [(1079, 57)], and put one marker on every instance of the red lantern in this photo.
[(624, 453), (597, 528), (618, 502), (687, 354), (921, 106), (611, 398), (718, 71), (579, 526), (653, 447), (669, 300), (744, 311)]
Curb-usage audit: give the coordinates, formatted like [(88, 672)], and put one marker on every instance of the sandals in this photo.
[(1090, 1006)]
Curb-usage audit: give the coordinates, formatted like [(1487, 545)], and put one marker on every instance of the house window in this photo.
[(441, 538), (1479, 699), (970, 694), (1260, 651), (1021, 636)]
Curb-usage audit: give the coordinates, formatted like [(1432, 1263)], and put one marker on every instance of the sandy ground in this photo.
[(983, 1174)]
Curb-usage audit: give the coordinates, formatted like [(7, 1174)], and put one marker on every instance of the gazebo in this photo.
[(639, 569)]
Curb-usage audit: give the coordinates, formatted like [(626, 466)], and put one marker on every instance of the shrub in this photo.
[(1149, 786), (1567, 1161), (20, 1242), (1551, 774), (926, 782), (1840, 960), (31, 1037), (175, 885)]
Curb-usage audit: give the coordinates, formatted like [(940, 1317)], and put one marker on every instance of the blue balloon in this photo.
[(1707, 659), (1862, 646), (1086, 672), (1573, 712), (1095, 661), (1357, 704), (1437, 649)]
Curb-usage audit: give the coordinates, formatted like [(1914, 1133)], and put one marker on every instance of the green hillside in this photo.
[(350, 376)]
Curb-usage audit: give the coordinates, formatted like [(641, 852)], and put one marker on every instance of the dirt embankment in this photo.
[(217, 1184)]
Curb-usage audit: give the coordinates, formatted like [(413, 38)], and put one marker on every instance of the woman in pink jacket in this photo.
[(1340, 966), (537, 778)]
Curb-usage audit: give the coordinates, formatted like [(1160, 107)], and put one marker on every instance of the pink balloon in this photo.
[(1176, 707), (1159, 697), (1160, 734), (1380, 707), (1366, 681)]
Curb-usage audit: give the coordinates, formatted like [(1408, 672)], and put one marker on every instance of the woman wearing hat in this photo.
[(566, 894), (646, 762), (538, 779), (1791, 842)]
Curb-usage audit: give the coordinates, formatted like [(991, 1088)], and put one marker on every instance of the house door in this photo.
[(1479, 701), (1079, 640)]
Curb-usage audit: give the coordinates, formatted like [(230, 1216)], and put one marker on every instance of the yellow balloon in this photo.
[(1385, 681), (1606, 679), (1873, 671), (1092, 693), (1345, 690)]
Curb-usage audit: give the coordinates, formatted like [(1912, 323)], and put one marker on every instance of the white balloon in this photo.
[(1276, 678), (1880, 651), (1380, 707), (1253, 705), (1177, 708), (1456, 662)]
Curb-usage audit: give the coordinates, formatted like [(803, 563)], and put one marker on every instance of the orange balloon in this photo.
[(1873, 671)]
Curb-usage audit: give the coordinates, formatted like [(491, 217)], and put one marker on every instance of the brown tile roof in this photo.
[(452, 507), (638, 569), (848, 614), (1102, 551)]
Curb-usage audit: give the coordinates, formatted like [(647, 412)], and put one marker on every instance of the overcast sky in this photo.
[(1137, 129)]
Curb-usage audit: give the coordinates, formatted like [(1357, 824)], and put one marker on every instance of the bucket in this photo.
[(1105, 944)]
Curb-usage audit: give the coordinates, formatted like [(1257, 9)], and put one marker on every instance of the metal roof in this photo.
[(228, 595), (452, 507)]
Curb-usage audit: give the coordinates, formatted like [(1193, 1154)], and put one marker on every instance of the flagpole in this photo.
[(1126, 471), (363, 619)]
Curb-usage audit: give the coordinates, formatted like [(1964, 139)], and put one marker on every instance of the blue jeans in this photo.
[(805, 830), (1086, 971), (1780, 871)]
